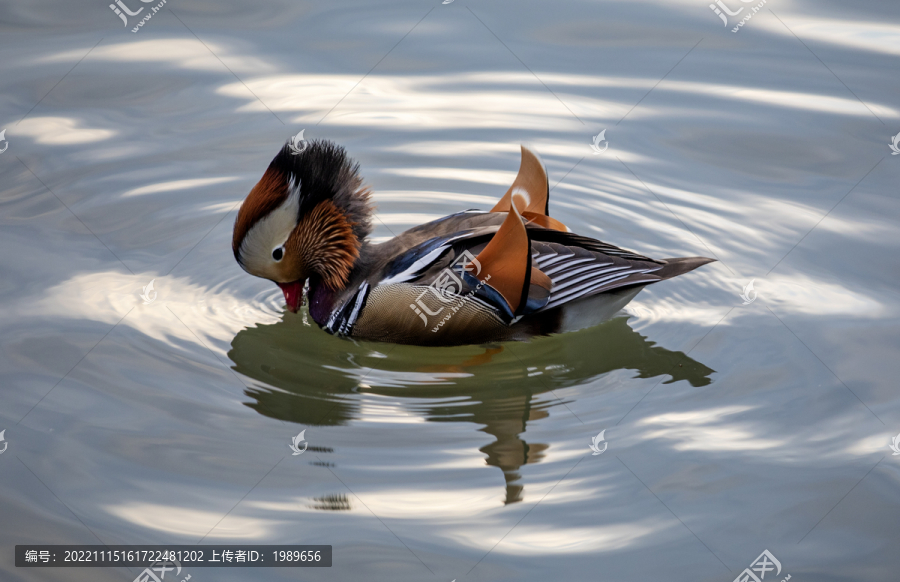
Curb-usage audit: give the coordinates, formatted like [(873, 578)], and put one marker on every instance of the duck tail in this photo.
[(680, 266)]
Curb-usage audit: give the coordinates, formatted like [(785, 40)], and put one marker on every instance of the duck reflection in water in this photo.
[(322, 381)]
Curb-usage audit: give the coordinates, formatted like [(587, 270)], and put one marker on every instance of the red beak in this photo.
[(293, 294)]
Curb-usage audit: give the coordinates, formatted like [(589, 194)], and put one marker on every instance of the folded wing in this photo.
[(529, 262)]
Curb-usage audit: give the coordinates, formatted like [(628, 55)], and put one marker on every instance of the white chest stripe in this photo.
[(360, 299)]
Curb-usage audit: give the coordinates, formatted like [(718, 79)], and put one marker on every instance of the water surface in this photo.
[(732, 427)]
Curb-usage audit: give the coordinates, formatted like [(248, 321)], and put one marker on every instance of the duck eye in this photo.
[(278, 253)]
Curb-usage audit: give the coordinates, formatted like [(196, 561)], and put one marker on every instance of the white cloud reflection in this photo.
[(498, 100), (707, 430), (190, 522), (61, 131), (179, 53), (877, 37), (178, 185)]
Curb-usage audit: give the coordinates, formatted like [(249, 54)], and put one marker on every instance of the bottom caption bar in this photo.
[(162, 559)]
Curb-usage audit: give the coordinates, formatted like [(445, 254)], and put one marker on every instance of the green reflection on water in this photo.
[(314, 379)]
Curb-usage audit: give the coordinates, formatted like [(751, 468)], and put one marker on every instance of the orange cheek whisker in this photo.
[(325, 242)]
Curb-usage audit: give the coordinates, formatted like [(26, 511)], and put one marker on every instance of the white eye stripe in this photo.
[(269, 233)]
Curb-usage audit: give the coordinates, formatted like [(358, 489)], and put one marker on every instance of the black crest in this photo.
[(325, 172)]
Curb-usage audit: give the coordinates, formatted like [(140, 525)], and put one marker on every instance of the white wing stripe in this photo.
[(589, 287), (414, 269), (569, 264), (555, 259), (411, 271), (565, 278), (592, 275), (581, 291)]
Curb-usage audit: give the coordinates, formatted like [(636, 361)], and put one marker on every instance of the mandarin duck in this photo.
[(469, 278)]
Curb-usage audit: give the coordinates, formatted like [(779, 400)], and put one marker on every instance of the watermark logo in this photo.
[(762, 565), (6, 145), (125, 10), (721, 13), (895, 444), (749, 294), (895, 141), (161, 568), (149, 294), (3, 440), (721, 10), (297, 144), (295, 443), (446, 288), (595, 444), (600, 137), (154, 9)]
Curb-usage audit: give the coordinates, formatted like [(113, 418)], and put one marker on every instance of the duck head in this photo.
[(306, 219)]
